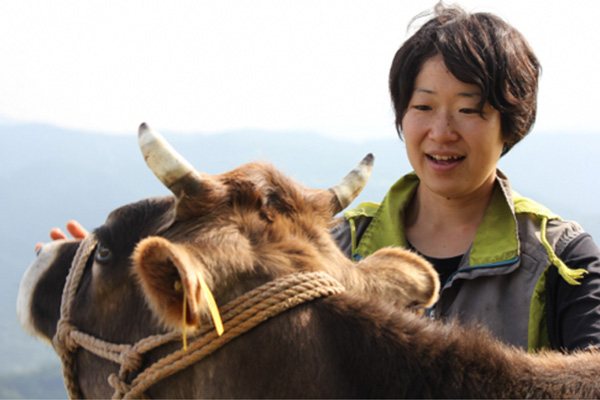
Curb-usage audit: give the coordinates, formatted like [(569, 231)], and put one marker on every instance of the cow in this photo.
[(233, 287)]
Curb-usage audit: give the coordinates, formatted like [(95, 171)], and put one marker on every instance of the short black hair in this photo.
[(480, 49)]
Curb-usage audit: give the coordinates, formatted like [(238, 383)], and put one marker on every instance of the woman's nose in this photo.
[(443, 127)]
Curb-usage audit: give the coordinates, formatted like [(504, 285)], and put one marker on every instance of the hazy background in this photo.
[(280, 65), (302, 84)]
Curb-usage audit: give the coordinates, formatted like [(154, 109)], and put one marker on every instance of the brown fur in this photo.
[(351, 347), (253, 225)]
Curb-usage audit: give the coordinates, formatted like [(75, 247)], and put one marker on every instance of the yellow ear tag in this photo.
[(183, 321), (212, 305)]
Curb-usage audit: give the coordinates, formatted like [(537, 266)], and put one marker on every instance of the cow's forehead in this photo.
[(132, 221), (262, 174), (142, 208), (156, 216)]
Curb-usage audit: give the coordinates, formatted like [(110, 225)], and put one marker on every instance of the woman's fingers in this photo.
[(73, 227), (76, 230)]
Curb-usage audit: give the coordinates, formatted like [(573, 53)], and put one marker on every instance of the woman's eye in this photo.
[(469, 111), (103, 254), (421, 107)]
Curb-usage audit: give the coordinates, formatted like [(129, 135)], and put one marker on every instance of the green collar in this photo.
[(496, 241), (387, 226)]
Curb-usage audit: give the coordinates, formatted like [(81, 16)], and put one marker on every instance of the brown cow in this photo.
[(149, 269)]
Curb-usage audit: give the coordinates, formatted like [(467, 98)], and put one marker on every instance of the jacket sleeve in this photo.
[(347, 233), (342, 234), (573, 311)]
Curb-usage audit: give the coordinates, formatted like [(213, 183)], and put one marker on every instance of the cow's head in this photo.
[(235, 231)]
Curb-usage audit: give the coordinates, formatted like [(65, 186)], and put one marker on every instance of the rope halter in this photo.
[(238, 316)]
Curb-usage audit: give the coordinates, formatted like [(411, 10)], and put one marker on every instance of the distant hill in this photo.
[(50, 175)]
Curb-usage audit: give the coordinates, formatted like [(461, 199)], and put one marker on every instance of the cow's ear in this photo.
[(401, 277), (166, 271)]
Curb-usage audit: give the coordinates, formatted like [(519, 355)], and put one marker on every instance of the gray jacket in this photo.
[(529, 277)]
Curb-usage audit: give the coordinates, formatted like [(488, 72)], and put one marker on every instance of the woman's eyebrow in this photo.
[(423, 90), (460, 94), (469, 94)]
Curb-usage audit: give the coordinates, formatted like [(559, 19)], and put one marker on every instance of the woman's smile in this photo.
[(442, 161)]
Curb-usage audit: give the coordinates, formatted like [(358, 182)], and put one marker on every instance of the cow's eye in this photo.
[(103, 254)]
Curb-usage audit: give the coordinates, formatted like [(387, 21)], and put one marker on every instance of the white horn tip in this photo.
[(143, 128), (369, 160), (146, 135), (168, 165), (353, 183)]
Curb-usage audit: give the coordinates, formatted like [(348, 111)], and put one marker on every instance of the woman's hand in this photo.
[(73, 227)]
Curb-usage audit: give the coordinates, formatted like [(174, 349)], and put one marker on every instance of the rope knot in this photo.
[(121, 388), (63, 341), (131, 360)]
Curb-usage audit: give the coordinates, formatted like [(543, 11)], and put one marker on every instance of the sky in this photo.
[(274, 65)]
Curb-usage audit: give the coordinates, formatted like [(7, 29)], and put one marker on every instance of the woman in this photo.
[(464, 90)]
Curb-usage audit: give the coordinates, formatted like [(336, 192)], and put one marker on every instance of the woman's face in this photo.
[(453, 150)]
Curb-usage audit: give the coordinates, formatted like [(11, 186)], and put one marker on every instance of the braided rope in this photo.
[(63, 341), (239, 316), (257, 306), (118, 353)]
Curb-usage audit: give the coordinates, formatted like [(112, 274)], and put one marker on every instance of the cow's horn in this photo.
[(353, 183), (166, 163)]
